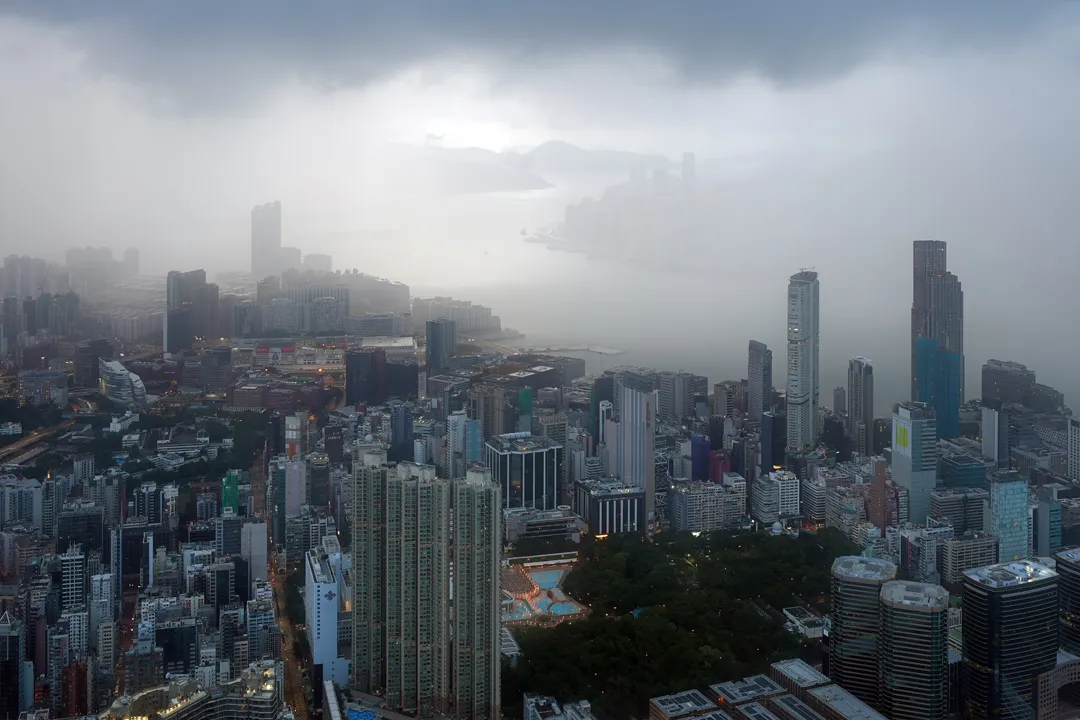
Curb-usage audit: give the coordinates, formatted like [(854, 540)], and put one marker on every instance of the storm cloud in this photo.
[(209, 55)]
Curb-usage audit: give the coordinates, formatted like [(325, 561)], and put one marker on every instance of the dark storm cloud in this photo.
[(212, 51)]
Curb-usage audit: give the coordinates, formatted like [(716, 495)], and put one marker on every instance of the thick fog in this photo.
[(826, 136)]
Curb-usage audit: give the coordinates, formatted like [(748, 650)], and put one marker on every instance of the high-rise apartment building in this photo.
[(913, 651), (860, 405), (937, 336), (803, 422), (1008, 515), (855, 624), (475, 623), (441, 338), (758, 380), (635, 445), (73, 578), (265, 240), (421, 653), (1010, 637), (915, 455)]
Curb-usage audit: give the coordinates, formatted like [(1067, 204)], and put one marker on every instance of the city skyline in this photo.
[(465, 361)]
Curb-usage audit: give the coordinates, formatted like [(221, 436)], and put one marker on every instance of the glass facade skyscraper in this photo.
[(855, 622), (937, 335), (1068, 570), (913, 651), (441, 338), (1009, 515), (1010, 637), (939, 372)]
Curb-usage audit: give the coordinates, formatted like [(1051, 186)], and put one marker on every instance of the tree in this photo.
[(672, 613)]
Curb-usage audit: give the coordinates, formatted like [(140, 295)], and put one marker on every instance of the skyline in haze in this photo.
[(828, 139)]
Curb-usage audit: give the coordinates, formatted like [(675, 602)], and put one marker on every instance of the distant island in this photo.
[(652, 217), (470, 171)]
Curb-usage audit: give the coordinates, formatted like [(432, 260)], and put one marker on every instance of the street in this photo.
[(294, 682)]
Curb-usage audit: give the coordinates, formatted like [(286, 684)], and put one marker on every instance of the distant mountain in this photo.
[(563, 159), (460, 171), (472, 170)]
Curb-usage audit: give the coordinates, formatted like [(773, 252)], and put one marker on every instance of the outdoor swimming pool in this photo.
[(549, 598), (546, 579)]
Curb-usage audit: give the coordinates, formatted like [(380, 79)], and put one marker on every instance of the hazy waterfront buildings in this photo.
[(803, 318), (265, 239)]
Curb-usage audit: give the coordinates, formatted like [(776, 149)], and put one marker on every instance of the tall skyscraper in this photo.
[(855, 623), (426, 650), (441, 337), (937, 336), (803, 423), (636, 444), (759, 380), (913, 651), (365, 376), (265, 239), (860, 404), (1068, 570), (13, 669), (1010, 637), (370, 480), (476, 612), (915, 456), (416, 586), (1008, 515)]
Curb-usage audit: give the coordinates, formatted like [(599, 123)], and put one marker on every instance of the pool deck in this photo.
[(549, 598)]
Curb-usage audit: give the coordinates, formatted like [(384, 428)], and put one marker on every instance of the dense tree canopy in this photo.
[(672, 613)]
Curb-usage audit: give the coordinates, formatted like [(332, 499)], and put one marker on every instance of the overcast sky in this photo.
[(864, 125)]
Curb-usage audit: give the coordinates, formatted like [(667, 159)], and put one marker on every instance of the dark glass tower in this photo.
[(365, 376), (441, 341), (913, 651), (855, 623), (759, 380), (1068, 570), (1010, 637), (937, 318)]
